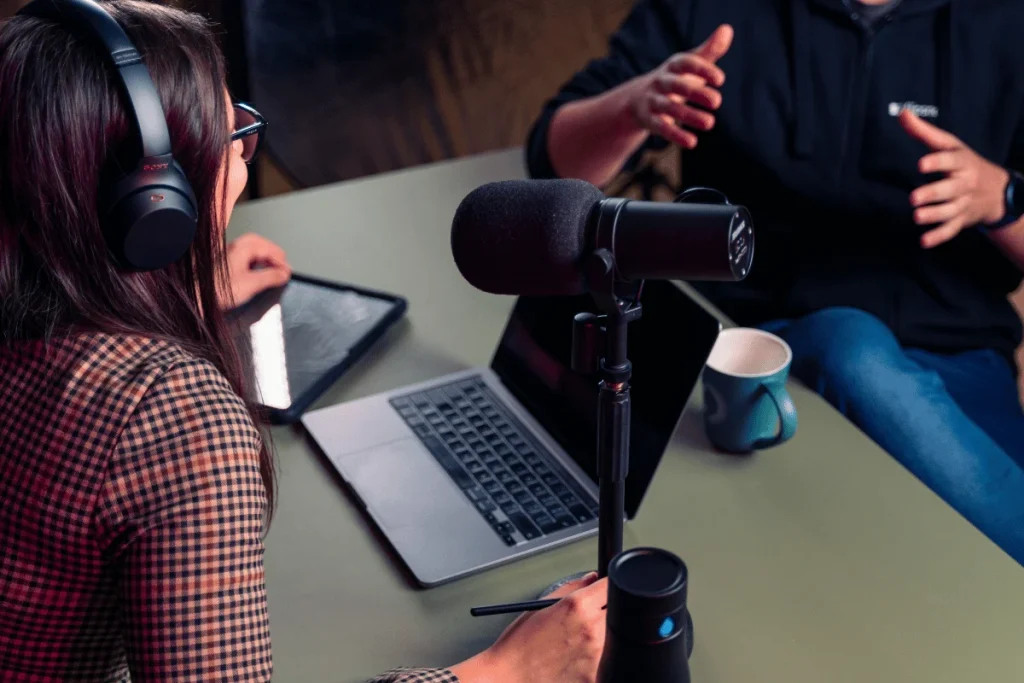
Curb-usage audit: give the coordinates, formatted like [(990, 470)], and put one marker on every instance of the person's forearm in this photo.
[(592, 139), (1011, 241)]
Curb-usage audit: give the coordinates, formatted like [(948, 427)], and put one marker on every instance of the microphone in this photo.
[(533, 237), (650, 633)]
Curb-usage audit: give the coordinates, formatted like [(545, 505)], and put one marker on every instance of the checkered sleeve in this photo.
[(182, 514), (417, 676)]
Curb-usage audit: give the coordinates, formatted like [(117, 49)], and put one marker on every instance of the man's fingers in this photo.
[(717, 45), (942, 234), (940, 213), (687, 63), (695, 119), (665, 126), (694, 91), (675, 107), (941, 162), (934, 137), (942, 191)]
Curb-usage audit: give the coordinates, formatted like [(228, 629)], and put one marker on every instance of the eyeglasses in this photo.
[(249, 128)]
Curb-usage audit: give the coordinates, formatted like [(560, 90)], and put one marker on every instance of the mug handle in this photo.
[(787, 416)]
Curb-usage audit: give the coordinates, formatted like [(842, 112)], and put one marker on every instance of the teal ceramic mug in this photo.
[(746, 405)]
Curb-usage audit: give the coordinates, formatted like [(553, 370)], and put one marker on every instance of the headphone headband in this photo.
[(141, 97)]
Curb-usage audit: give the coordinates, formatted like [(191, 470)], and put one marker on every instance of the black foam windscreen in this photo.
[(524, 237)]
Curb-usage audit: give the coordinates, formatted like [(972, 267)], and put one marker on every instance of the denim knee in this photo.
[(850, 356)]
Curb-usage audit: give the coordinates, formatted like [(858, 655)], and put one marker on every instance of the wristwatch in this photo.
[(1014, 199)]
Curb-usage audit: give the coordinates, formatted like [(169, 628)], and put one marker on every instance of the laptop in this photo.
[(479, 468)]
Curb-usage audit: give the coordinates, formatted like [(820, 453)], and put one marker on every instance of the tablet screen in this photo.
[(300, 333)]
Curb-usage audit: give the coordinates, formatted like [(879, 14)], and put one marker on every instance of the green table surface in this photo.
[(819, 561)]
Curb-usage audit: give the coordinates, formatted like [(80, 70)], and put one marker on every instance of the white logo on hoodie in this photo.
[(925, 111)]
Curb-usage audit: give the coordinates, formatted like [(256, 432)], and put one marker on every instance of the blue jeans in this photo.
[(954, 421)]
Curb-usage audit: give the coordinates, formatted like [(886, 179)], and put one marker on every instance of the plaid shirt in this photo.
[(131, 514)]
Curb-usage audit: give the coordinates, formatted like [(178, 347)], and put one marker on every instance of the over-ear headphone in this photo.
[(148, 215)]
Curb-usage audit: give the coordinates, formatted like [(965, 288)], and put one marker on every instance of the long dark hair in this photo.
[(62, 126)]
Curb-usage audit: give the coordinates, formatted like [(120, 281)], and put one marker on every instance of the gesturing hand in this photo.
[(663, 100), (254, 264), (971, 193)]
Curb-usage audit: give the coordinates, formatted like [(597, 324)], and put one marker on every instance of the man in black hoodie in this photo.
[(873, 142)]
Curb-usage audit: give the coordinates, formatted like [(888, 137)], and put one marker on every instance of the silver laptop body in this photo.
[(430, 520), (478, 468)]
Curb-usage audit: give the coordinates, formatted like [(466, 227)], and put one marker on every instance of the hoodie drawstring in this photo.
[(803, 81), (947, 67)]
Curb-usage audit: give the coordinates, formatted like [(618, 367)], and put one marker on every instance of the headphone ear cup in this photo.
[(152, 219)]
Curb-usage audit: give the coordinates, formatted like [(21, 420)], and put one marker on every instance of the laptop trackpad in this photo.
[(403, 485)]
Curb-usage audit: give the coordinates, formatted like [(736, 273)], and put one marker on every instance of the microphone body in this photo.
[(533, 237), (650, 633), (670, 241)]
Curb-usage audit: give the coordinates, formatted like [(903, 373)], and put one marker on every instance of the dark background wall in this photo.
[(363, 86), (356, 87)]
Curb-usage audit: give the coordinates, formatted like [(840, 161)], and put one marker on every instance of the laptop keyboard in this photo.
[(520, 490)]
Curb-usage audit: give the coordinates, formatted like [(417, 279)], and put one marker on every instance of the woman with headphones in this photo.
[(135, 485)]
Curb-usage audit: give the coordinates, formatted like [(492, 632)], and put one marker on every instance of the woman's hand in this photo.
[(560, 644), (255, 264)]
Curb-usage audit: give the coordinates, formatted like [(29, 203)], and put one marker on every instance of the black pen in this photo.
[(512, 608)]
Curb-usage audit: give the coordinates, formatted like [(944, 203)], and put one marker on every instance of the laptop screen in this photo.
[(668, 347)]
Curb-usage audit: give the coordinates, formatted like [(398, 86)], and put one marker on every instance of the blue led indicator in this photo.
[(667, 627)]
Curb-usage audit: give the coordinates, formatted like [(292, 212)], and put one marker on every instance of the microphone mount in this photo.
[(600, 351)]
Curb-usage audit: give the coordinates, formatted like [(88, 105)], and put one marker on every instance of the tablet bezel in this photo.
[(302, 402)]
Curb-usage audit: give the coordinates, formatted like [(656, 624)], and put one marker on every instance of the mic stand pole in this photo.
[(599, 351), (614, 371)]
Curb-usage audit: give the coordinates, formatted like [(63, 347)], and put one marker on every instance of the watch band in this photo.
[(1014, 201)]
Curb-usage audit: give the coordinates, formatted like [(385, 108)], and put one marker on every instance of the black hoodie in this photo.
[(808, 139)]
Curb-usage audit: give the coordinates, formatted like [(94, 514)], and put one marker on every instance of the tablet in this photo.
[(306, 335)]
